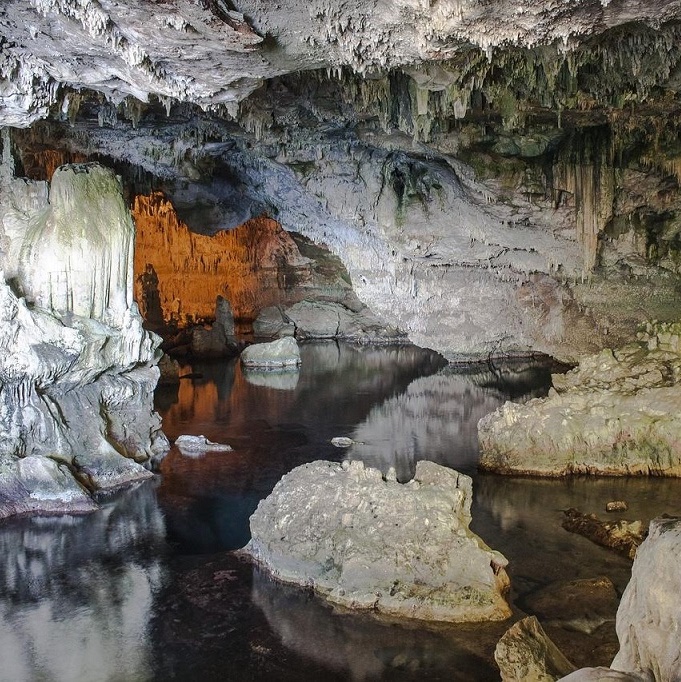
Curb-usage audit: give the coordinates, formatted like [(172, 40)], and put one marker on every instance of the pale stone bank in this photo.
[(368, 542), (616, 413), (76, 367)]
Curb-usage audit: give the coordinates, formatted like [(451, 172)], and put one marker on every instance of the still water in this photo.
[(146, 589)]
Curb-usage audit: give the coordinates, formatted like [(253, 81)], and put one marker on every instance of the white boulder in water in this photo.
[(281, 354), (199, 445), (368, 542)]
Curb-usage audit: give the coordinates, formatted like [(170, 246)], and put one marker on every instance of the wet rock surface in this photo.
[(616, 413), (366, 542), (526, 654), (622, 536)]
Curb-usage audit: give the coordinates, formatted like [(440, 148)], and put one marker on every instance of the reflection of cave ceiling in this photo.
[(210, 53)]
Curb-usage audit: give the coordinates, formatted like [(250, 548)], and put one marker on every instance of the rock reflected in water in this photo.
[(436, 417), (82, 586)]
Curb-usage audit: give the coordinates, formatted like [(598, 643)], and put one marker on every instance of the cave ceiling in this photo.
[(214, 54)]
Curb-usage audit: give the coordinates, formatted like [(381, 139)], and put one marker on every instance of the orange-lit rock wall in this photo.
[(179, 273), (40, 162)]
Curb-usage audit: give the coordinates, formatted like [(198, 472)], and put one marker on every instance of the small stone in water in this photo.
[(342, 442), (616, 506)]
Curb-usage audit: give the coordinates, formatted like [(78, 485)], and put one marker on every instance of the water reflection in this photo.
[(143, 591), (208, 502), (436, 417), (76, 592)]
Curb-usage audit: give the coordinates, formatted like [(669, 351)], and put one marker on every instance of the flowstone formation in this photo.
[(616, 413), (368, 542), (77, 369)]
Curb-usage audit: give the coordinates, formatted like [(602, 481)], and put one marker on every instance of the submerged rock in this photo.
[(526, 654), (576, 605), (622, 536), (193, 446), (365, 542), (617, 413), (281, 354)]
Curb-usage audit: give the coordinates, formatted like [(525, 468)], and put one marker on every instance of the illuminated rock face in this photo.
[(179, 273), (368, 542), (76, 368), (616, 413)]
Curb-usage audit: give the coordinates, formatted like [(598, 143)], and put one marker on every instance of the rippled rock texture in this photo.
[(364, 541), (76, 368), (616, 413)]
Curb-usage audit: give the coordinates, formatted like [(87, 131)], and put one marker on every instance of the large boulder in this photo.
[(649, 616), (364, 541), (281, 354), (617, 413)]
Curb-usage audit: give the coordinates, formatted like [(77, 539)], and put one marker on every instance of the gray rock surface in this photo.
[(273, 323), (194, 446), (526, 654), (617, 413), (365, 542), (280, 354)]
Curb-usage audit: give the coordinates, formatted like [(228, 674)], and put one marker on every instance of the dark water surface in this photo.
[(146, 589)]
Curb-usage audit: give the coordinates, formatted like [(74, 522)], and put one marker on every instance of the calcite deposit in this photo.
[(368, 542), (76, 368), (616, 413)]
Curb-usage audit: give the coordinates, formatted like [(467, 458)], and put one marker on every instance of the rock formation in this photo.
[(76, 368), (494, 179), (363, 541), (526, 654), (281, 354), (617, 413)]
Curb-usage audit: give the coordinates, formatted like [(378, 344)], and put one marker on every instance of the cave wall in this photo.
[(179, 273), (493, 183)]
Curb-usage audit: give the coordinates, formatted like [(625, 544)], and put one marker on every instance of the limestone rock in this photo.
[(199, 445), (281, 354), (617, 413), (39, 484), (76, 367), (169, 369), (526, 654), (273, 323), (365, 542), (649, 616), (218, 340), (328, 320), (578, 605), (622, 536)]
